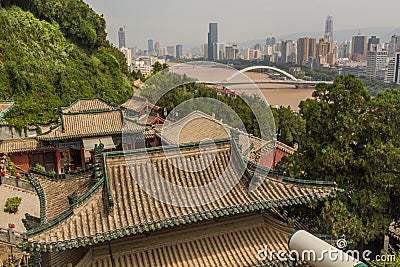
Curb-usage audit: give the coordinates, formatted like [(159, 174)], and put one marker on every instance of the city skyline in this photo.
[(190, 28)]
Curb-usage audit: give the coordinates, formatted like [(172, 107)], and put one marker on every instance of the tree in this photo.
[(344, 142), (12, 204), (289, 125)]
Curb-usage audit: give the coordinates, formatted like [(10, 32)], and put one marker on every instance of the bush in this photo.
[(11, 168), (39, 168), (12, 204)]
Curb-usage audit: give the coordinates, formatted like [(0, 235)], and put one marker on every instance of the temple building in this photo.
[(68, 144), (105, 216), (96, 208)]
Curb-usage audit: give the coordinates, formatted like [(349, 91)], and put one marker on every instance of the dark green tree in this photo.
[(350, 139), (289, 125)]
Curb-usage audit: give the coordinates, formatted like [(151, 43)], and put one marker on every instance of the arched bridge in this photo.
[(298, 83), (262, 67)]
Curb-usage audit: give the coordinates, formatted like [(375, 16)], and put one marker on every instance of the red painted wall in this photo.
[(21, 161)]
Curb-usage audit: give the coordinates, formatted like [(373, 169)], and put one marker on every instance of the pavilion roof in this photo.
[(227, 242), (198, 126), (88, 104), (17, 145), (138, 104), (116, 206), (91, 123)]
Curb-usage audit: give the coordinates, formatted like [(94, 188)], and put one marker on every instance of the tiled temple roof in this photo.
[(135, 212), (88, 118), (198, 126), (138, 104), (85, 105), (5, 106), (21, 145), (228, 242), (58, 188), (77, 125)]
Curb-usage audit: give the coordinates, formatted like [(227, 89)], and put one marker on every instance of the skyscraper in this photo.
[(179, 51), (157, 48), (393, 73), (376, 63), (329, 28), (212, 40), (270, 40), (121, 38), (150, 46), (394, 45), (373, 42), (359, 47), (306, 48), (288, 54)]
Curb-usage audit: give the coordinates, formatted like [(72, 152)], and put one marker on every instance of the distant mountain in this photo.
[(342, 35)]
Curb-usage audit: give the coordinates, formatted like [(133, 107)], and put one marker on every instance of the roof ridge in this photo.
[(89, 98)]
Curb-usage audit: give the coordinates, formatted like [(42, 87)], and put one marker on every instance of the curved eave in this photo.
[(146, 227)]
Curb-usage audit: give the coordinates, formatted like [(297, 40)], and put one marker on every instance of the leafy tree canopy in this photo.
[(352, 139), (41, 69)]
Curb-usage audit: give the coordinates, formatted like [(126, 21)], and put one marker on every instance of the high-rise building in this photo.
[(128, 55), (288, 54), (394, 45), (121, 38), (373, 41), (150, 46), (329, 28), (171, 51), (231, 52), (157, 48), (325, 53), (205, 51), (393, 73), (270, 41), (359, 47), (179, 51), (212, 40), (376, 63), (306, 49)]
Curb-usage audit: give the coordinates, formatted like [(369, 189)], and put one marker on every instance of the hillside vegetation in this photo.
[(53, 51)]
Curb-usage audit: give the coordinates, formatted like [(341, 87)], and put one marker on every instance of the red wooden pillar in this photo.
[(58, 162), (83, 158)]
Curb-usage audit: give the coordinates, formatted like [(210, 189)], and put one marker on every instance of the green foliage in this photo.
[(39, 168), (352, 139), (157, 67), (11, 168), (240, 105), (289, 125), (12, 204), (77, 20), (375, 87), (42, 70)]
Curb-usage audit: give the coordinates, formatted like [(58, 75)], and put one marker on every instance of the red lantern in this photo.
[(3, 172), (12, 226), (18, 176)]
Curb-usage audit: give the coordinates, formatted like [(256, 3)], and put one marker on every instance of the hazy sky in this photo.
[(185, 21)]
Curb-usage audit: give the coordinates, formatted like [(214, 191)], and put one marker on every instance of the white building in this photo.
[(377, 63), (393, 73), (128, 55)]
